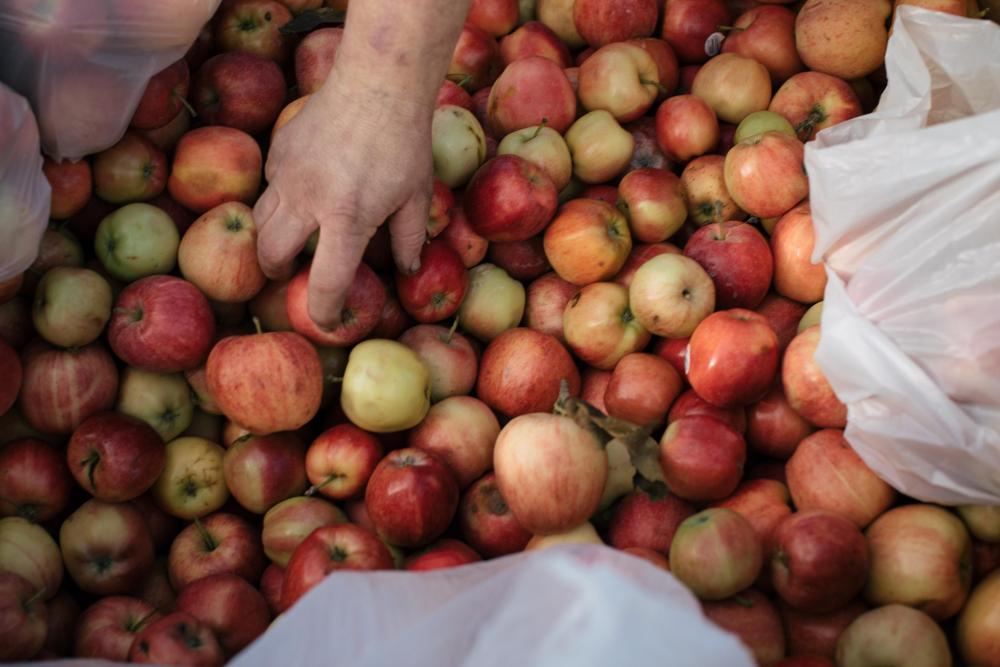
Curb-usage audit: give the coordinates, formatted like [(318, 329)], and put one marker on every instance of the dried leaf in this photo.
[(314, 18)]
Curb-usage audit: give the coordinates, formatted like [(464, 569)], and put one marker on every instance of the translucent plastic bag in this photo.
[(25, 195), (84, 64), (906, 205)]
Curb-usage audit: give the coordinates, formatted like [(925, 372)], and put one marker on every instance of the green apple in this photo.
[(136, 241), (458, 145), (543, 147), (760, 122), (493, 303), (811, 317), (386, 387), (162, 400), (72, 305)]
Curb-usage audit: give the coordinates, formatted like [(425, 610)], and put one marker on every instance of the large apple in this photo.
[(732, 357), (131, 170), (162, 324), (218, 253), (35, 483), (733, 86), (487, 522), (600, 326), (846, 38), (621, 78), (462, 431), (136, 241), (792, 241), (893, 635), (115, 457), (765, 176), (363, 304), (587, 242), (531, 91), (291, 521), (509, 199), (704, 185), (107, 628), (235, 611), (813, 101), (192, 483), (670, 295), (738, 259), (602, 22), (239, 90), (261, 471), (702, 458), (218, 543), (386, 387), (806, 387), (213, 165), (716, 554)]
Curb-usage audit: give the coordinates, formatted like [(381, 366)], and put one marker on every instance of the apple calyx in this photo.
[(102, 563), (191, 639), (494, 502), (743, 602), (28, 512), (234, 224), (709, 211), (211, 544), (815, 117), (90, 463), (338, 554), (133, 626), (134, 313)]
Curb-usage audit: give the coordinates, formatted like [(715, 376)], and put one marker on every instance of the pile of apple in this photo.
[(610, 339)]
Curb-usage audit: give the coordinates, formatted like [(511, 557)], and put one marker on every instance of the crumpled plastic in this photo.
[(906, 207)]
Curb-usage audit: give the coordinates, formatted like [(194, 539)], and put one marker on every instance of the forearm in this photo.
[(400, 49)]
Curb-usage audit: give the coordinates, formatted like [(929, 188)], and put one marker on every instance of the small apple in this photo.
[(534, 38), (192, 483), (846, 39), (164, 97), (107, 628), (261, 471), (219, 543), (176, 638), (314, 58), (704, 186), (71, 306), (784, 315), (213, 165), (766, 33), (687, 24), (458, 145), (494, 303), (162, 400), (733, 86), (599, 146), (461, 430), (27, 550), (792, 242), (600, 327), (979, 624), (641, 389), (702, 458), (621, 78), (670, 294), (509, 199), (136, 241), (653, 202), (435, 291), (363, 304), (732, 357), (218, 253), (557, 15), (648, 519), (475, 59), (253, 26), (132, 170), (72, 184), (752, 617), (813, 101), (233, 609), (738, 259), (386, 387), (765, 176), (760, 122), (716, 554), (115, 457), (487, 522), (35, 483), (291, 521), (774, 428), (806, 388), (25, 616), (531, 91), (545, 148), (587, 242)]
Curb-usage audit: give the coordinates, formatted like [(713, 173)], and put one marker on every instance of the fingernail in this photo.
[(415, 266)]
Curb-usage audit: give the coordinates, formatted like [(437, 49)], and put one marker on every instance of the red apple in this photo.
[(329, 549), (738, 259), (10, 368), (813, 101), (820, 561), (792, 240), (239, 90), (435, 291), (61, 388), (218, 253), (165, 138), (648, 520), (774, 428), (269, 306), (702, 458), (463, 239), (72, 184), (546, 301), (253, 26), (600, 327), (653, 201), (487, 522), (442, 554), (131, 170), (602, 22), (361, 311), (107, 547), (687, 25), (690, 404), (641, 389), (594, 385), (534, 39), (34, 481), (450, 93), (509, 199), (233, 609), (461, 430), (587, 242), (686, 127), (16, 327), (817, 634), (825, 473), (164, 97), (314, 57), (115, 457), (550, 470), (704, 186), (531, 91), (783, 315), (762, 502), (806, 388), (289, 522), (107, 628), (270, 587), (765, 176), (442, 201), (522, 260), (732, 357), (25, 618), (767, 34), (754, 619), (520, 372), (978, 627), (475, 59), (846, 40), (666, 64), (174, 639), (219, 543), (621, 78), (340, 461), (267, 382), (716, 554), (213, 165), (261, 471)]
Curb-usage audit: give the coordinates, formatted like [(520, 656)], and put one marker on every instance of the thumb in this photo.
[(408, 227)]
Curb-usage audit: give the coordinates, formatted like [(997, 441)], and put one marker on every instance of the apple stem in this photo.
[(137, 625), (186, 105), (659, 86), (336, 379), (538, 129), (720, 233), (90, 463), (311, 491), (206, 537), (728, 28), (257, 325), (451, 331), (38, 595)]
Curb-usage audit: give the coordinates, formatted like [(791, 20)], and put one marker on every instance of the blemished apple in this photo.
[(72, 185), (774, 428), (716, 554), (314, 57), (520, 372), (762, 502), (28, 550), (806, 388), (192, 483), (558, 16), (509, 199), (61, 388), (107, 628), (329, 549), (106, 547), (233, 609), (893, 634), (600, 326), (136, 241), (476, 58), (35, 482), (71, 306), (784, 315), (449, 357), (760, 122), (670, 295), (766, 34), (162, 324), (25, 617), (531, 91), (765, 176), (733, 86), (213, 165), (442, 554), (653, 202), (547, 297), (291, 521), (978, 627), (813, 101), (216, 544), (738, 259), (688, 23), (544, 147), (462, 431), (534, 38), (641, 389), (261, 471), (921, 556), (732, 357), (620, 78), (646, 153), (267, 382), (366, 297), (131, 170), (386, 387), (241, 90), (752, 617), (588, 241), (550, 470), (162, 400), (115, 457), (411, 497), (458, 145), (820, 561), (494, 303), (601, 148), (486, 521), (648, 520), (817, 634), (792, 242), (825, 473), (253, 26), (702, 458), (176, 638), (163, 98), (704, 186), (860, 29), (435, 291), (218, 253)]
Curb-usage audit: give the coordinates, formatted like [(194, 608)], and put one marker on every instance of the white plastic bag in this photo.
[(84, 64), (25, 195), (577, 605), (906, 205)]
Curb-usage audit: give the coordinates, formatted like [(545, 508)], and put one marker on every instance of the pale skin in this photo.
[(359, 152)]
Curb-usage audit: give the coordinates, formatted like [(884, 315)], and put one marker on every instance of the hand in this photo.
[(351, 159)]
